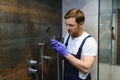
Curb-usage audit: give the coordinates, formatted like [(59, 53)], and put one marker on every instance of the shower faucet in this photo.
[(32, 69), (46, 58)]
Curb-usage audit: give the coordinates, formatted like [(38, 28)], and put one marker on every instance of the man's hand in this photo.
[(59, 47)]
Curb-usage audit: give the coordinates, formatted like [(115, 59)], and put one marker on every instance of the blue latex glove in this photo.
[(54, 43), (59, 47)]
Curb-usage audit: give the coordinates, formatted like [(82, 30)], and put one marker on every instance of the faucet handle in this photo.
[(41, 43), (47, 58), (32, 62), (32, 70)]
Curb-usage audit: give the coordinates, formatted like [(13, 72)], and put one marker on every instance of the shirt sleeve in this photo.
[(89, 47)]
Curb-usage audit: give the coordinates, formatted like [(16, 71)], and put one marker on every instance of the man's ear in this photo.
[(81, 23)]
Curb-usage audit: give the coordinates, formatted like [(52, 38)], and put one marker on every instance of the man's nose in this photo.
[(67, 27)]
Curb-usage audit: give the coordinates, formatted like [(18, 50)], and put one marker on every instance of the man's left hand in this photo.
[(59, 47)]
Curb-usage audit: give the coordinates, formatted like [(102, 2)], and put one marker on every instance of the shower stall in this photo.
[(26, 27)]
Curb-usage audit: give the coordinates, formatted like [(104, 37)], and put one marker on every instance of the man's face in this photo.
[(73, 27)]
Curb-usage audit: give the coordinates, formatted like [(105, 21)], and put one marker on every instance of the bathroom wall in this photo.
[(23, 24), (90, 8)]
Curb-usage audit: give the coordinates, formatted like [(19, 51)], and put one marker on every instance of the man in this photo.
[(79, 48)]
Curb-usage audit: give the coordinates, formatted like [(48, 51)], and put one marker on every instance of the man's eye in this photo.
[(71, 25)]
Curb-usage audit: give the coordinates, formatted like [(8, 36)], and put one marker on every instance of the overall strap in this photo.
[(80, 48), (67, 40)]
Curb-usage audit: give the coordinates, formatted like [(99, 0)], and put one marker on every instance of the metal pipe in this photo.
[(62, 69), (58, 72), (36, 75), (41, 58)]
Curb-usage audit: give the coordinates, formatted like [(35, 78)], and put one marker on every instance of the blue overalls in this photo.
[(70, 72)]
